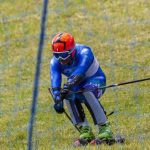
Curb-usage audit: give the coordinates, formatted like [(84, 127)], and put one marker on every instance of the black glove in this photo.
[(64, 92), (59, 107), (73, 81)]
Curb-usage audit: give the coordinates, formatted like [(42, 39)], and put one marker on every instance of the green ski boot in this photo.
[(86, 133), (106, 136), (105, 132), (86, 136)]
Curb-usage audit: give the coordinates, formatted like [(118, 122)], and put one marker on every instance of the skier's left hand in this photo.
[(73, 81), (64, 92)]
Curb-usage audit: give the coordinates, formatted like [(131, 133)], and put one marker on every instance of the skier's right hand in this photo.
[(59, 107), (57, 96)]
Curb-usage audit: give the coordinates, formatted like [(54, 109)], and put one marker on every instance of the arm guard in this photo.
[(55, 92), (73, 81)]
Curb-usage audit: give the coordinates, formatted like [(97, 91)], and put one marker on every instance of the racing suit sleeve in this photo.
[(55, 74), (56, 78)]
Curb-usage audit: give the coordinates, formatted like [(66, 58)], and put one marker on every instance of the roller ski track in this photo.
[(82, 142)]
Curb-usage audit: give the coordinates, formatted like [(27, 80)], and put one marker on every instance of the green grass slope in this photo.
[(117, 31)]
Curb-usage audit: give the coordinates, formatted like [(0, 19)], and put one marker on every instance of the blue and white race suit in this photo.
[(85, 64)]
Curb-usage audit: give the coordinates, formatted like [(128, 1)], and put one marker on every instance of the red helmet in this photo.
[(63, 47)]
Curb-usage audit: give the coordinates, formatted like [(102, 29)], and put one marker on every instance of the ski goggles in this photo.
[(63, 55)]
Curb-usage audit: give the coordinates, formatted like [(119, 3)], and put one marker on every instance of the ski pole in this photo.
[(71, 121), (69, 118), (109, 86)]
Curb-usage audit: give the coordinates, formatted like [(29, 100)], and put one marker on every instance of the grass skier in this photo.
[(78, 63)]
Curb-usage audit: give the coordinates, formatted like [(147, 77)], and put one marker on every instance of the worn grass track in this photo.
[(117, 31)]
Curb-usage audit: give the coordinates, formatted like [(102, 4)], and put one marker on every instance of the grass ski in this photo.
[(81, 142), (117, 139)]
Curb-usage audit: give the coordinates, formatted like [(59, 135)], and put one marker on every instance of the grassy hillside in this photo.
[(117, 31)]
